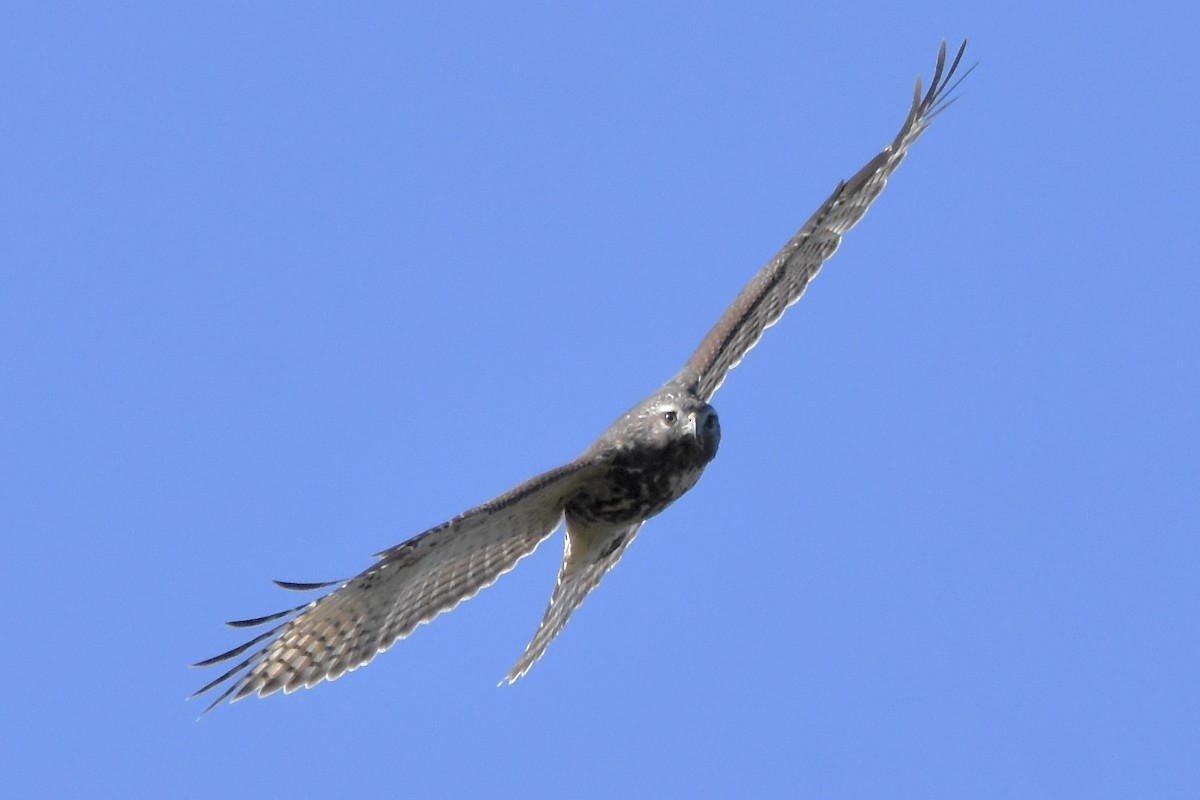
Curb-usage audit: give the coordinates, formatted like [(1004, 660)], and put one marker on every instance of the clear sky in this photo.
[(283, 284)]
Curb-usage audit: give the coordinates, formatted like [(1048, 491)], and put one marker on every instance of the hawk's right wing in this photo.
[(412, 583), (782, 282)]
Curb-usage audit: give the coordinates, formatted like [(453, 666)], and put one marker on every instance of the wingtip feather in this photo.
[(296, 586)]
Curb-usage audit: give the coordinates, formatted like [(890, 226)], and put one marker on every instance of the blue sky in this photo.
[(282, 286)]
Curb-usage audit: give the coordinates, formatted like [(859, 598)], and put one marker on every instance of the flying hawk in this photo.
[(644, 462)]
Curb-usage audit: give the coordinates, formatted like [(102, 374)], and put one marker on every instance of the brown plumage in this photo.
[(645, 461)]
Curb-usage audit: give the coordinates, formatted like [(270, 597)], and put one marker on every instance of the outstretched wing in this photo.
[(412, 583), (784, 279), (590, 553)]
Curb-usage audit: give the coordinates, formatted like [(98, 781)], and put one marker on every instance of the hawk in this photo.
[(644, 462)]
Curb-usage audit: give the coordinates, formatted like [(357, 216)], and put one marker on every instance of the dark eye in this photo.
[(711, 422), (670, 417)]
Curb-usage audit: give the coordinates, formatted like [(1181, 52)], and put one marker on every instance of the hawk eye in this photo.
[(669, 417), (711, 422)]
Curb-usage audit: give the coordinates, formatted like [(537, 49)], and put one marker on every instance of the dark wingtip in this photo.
[(242, 648), (945, 82), (295, 586), (221, 699), (237, 651), (256, 621)]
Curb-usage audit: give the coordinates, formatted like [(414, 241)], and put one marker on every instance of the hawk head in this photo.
[(670, 420)]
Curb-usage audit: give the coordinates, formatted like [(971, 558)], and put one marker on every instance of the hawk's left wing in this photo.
[(412, 583), (782, 282)]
